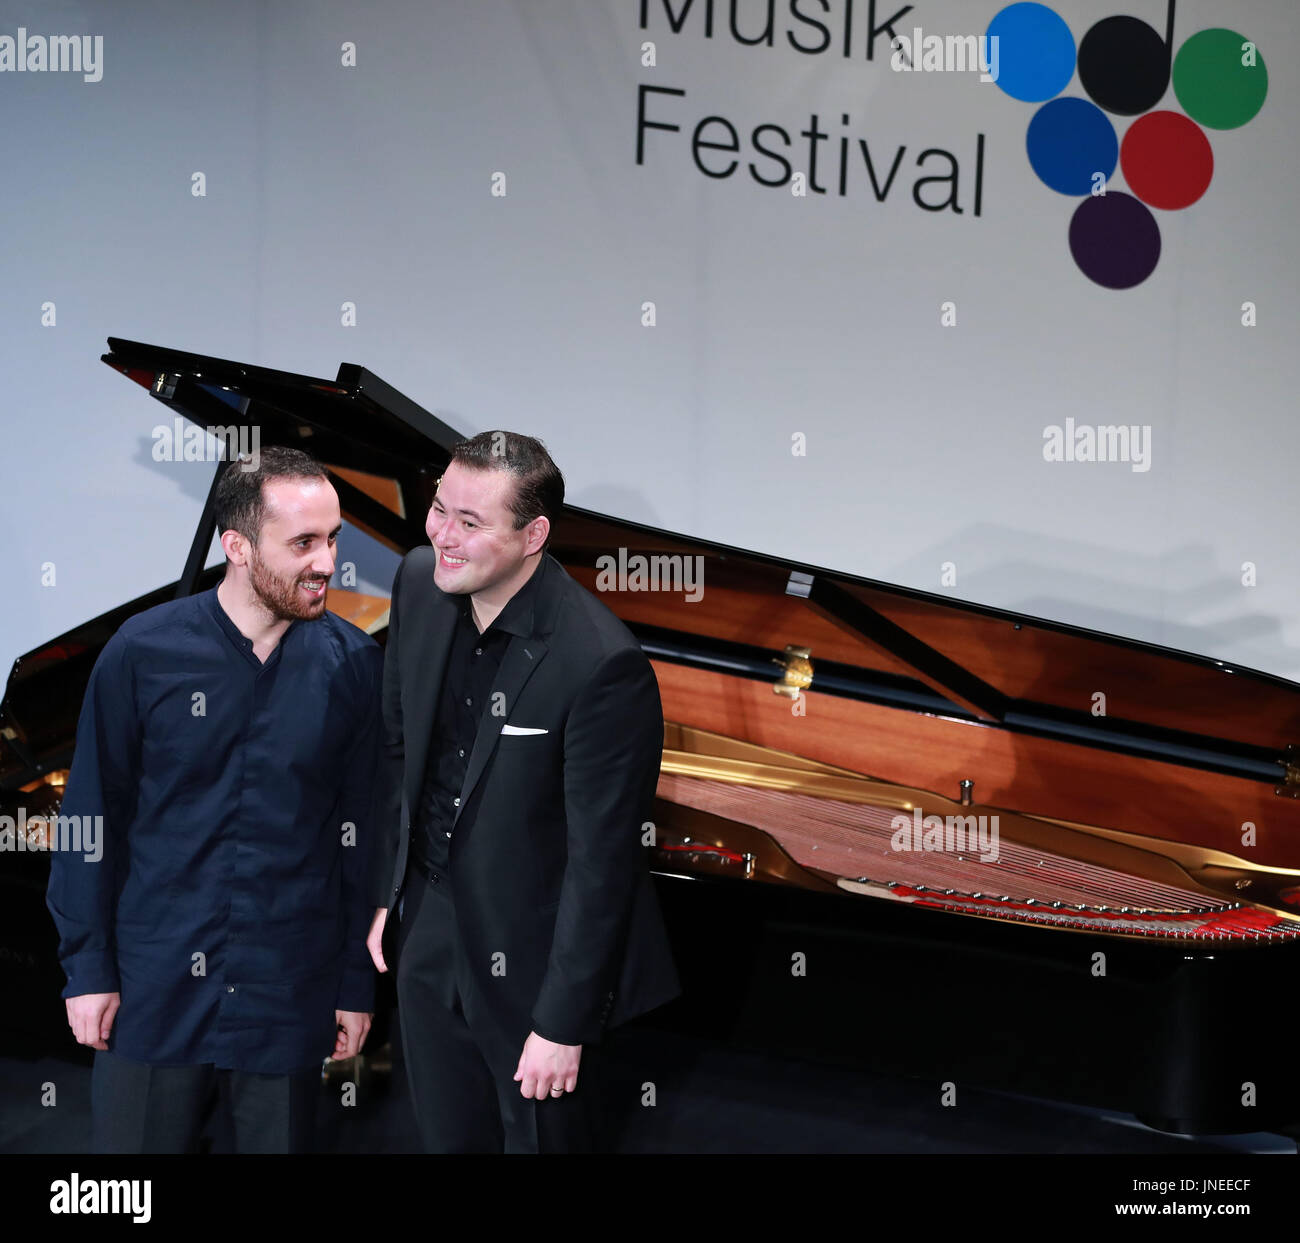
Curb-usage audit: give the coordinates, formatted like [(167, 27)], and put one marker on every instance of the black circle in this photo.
[(1124, 65)]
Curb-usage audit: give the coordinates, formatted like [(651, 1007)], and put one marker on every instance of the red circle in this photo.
[(1167, 160)]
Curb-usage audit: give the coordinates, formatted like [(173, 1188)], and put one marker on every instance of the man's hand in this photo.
[(545, 1064), (353, 1028), (91, 1017), (374, 941)]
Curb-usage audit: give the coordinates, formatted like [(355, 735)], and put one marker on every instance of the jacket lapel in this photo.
[(427, 647)]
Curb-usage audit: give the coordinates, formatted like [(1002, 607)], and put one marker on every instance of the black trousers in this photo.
[(137, 1108), (463, 1089)]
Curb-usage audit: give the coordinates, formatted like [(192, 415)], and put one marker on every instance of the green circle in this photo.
[(1213, 85)]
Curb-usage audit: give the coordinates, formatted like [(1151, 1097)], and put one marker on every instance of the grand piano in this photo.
[(892, 829)]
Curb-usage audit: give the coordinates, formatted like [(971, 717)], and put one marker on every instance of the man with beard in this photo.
[(214, 937)]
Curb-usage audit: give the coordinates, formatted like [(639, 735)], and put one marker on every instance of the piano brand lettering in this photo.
[(954, 834), (182, 441), (922, 53), (656, 573), (83, 834), (103, 1195), (83, 54), (1086, 443)]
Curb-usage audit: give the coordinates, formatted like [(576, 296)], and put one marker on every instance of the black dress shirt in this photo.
[(466, 688)]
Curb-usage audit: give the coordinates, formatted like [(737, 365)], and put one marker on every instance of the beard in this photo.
[(282, 597)]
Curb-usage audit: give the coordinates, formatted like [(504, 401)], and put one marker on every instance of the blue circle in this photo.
[(1070, 141), (1035, 52)]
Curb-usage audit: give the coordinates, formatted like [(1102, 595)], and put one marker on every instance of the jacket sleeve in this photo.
[(99, 800), (613, 743), (387, 818), (356, 807)]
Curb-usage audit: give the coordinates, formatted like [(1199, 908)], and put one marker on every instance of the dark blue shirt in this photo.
[(227, 906)]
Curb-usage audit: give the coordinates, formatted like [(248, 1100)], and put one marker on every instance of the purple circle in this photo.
[(1115, 240)]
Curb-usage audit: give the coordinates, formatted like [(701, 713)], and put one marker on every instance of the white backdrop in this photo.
[(780, 319)]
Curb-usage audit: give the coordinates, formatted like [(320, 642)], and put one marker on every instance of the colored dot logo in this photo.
[(1125, 67)]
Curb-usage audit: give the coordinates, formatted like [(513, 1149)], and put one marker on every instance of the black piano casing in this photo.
[(1164, 1033)]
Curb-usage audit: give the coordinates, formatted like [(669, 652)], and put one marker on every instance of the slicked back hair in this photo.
[(539, 486)]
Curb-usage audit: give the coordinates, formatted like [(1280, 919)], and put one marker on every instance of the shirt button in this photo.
[(449, 833), (230, 988), (455, 802), (468, 702), (462, 752), (478, 651)]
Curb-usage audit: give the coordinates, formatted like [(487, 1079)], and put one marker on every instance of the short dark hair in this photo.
[(539, 486), (241, 503)]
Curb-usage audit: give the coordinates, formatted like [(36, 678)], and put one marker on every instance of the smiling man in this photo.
[(228, 740), (522, 739)]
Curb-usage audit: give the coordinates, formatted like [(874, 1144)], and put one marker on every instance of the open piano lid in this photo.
[(888, 644), (922, 691)]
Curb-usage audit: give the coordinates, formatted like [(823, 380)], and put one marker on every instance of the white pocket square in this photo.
[(519, 729)]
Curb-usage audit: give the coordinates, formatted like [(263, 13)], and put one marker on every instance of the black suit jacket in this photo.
[(555, 910)]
